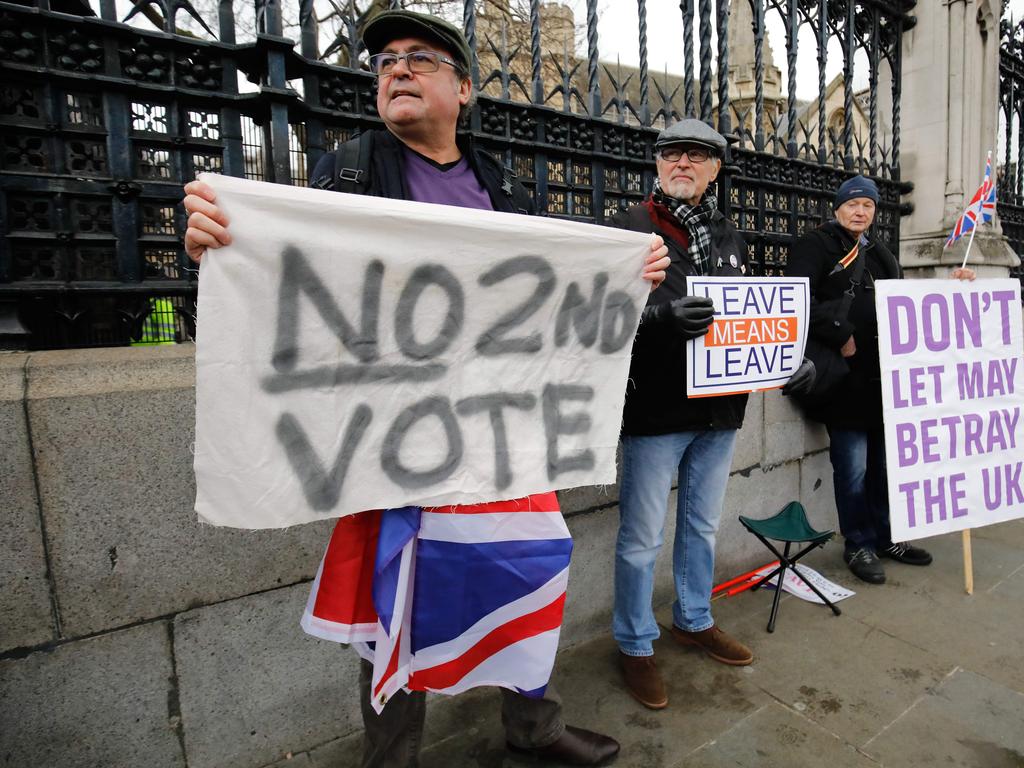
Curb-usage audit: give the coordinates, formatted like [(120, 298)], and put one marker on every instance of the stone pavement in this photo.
[(914, 673)]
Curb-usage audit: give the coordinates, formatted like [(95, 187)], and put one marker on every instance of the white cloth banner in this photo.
[(757, 339), (356, 353), (952, 393)]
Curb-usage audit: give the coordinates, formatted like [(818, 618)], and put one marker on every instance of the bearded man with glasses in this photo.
[(664, 434), (423, 90)]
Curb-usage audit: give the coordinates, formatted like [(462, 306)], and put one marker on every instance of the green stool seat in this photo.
[(790, 526)]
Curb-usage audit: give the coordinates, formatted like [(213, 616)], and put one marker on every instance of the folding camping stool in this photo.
[(789, 526)]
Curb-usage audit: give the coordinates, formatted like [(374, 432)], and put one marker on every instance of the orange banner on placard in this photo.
[(742, 331)]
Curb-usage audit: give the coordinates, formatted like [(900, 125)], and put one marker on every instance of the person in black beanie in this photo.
[(842, 261)]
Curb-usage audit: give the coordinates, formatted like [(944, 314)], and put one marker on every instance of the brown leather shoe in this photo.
[(576, 746), (716, 644), (643, 680)]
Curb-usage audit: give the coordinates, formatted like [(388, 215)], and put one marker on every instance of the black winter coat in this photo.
[(855, 403), (656, 402), (386, 176)]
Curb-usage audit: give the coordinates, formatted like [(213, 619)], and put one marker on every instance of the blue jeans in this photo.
[(862, 495), (649, 464)]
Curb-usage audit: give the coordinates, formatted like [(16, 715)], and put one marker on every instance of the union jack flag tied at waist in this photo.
[(445, 599), (980, 210)]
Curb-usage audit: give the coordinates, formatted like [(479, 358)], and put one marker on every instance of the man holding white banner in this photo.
[(422, 65), (842, 262), (664, 433)]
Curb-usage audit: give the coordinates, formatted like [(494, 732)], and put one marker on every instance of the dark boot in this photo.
[(643, 680), (716, 644)]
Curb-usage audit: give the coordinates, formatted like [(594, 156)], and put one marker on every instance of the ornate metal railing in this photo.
[(101, 123), (1010, 188)]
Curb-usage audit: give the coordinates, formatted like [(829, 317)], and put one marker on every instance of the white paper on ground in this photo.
[(795, 586)]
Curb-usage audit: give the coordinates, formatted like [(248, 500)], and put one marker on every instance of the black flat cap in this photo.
[(394, 25), (692, 131)]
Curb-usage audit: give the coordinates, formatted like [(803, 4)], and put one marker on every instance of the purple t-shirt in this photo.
[(454, 185)]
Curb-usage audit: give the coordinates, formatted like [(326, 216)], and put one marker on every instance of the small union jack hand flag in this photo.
[(980, 210)]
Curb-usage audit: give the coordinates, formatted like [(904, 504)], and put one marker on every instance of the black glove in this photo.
[(802, 379), (691, 316)]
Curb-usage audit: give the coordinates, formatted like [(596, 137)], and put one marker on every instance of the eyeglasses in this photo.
[(693, 154), (421, 62)]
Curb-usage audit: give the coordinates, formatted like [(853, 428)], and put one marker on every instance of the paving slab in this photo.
[(26, 616), (104, 701), (346, 752), (928, 607), (847, 676), (254, 687), (704, 699), (968, 720), (777, 737)]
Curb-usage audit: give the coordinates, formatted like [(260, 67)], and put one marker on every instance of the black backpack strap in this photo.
[(856, 276), (352, 164)]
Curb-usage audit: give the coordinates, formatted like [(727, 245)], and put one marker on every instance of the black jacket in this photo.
[(387, 173), (656, 402), (856, 403)]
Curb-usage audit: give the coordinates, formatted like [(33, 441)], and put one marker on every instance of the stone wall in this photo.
[(131, 635)]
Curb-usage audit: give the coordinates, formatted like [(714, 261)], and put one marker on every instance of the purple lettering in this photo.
[(901, 343), (1004, 299), (929, 441), (1014, 493), (898, 401), (972, 433), (936, 330), (950, 422), (934, 499), (906, 447), (908, 489), (936, 372), (966, 321), (916, 386), (957, 494), (992, 481), (969, 380), (995, 432)]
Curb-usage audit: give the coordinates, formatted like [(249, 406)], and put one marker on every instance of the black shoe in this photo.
[(905, 553), (865, 565), (576, 746)]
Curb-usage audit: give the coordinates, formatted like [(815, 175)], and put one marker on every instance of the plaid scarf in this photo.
[(695, 219)]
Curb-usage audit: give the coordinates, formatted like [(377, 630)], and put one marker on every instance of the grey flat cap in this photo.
[(692, 131)]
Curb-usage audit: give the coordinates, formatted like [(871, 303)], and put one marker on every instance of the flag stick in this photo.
[(969, 244), (977, 221), (968, 563)]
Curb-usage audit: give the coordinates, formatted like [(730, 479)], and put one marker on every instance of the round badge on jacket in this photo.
[(733, 261)]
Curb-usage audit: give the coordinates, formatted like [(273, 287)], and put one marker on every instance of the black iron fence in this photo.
[(1010, 185), (101, 123)]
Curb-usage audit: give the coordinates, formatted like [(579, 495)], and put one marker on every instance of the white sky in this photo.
[(618, 37)]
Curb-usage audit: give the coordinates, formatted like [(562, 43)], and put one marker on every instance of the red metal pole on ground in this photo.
[(744, 577)]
